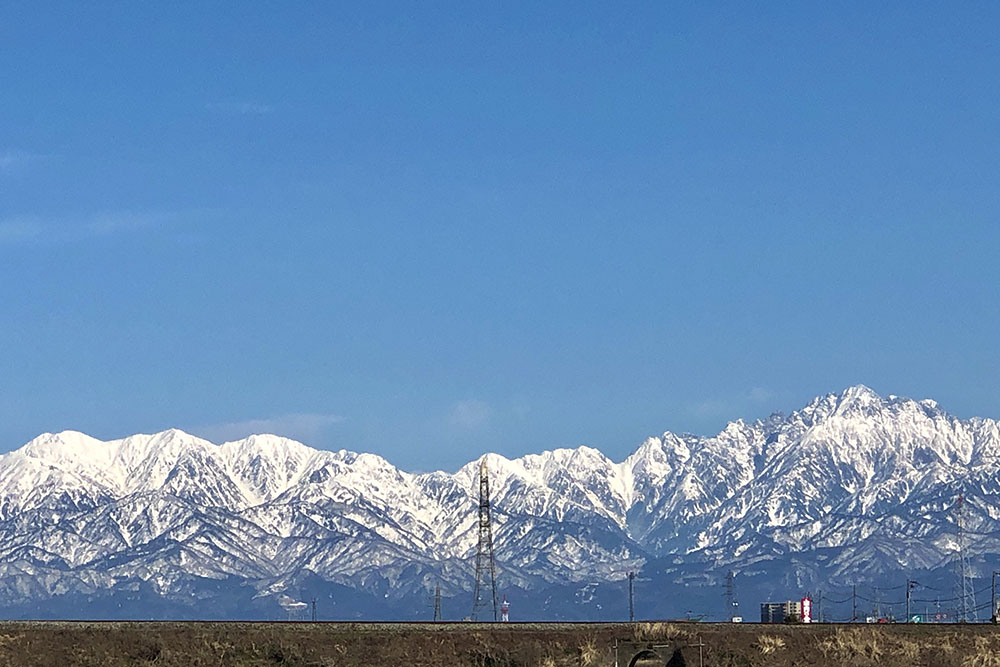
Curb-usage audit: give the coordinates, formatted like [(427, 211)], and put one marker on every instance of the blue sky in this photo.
[(433, 230)]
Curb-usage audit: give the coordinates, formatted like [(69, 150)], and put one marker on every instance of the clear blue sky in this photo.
[(429, 230)]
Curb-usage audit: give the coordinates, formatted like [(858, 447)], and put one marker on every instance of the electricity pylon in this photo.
[(731, 603), (967, 592), (484, 550)]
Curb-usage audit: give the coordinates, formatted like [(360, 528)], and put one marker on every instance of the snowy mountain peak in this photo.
[(852, 473), (65, 446), (860, 392)]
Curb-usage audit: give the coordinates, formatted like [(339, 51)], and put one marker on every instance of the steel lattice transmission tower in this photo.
[(731, 602), (967, 592), (484, 551)]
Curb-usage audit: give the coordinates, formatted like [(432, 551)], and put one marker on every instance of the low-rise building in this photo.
[(777, 612)]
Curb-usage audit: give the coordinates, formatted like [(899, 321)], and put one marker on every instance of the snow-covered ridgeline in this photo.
[(844, 469)]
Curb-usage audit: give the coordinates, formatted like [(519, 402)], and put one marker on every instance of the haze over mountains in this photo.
[(852, 487)]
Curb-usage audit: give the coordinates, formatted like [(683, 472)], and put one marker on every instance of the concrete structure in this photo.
[(777, 612)]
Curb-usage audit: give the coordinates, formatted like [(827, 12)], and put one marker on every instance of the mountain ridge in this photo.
[(854, 472)]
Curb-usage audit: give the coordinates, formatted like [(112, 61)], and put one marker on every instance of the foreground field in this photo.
[(159, 644)]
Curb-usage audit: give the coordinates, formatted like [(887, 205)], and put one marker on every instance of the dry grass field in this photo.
[(59, 644)]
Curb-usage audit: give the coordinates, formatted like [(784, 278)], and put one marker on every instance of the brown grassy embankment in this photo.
[(25, 644)]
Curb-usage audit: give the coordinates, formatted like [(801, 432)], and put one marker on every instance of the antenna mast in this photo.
[(484, 550)]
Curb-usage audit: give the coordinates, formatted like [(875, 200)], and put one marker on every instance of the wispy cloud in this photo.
[(122, 221), (12, 161), (760, 395), (304, 427), (239, 108), (469, 414), (66, 230), (731, 407), (18, 230)]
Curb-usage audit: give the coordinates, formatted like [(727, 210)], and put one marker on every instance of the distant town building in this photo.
[(778, 612)]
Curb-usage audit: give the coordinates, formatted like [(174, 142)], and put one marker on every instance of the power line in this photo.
[(828, 600), (890, 607)]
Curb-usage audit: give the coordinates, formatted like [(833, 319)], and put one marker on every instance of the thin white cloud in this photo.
[(733, 406), (67, 230), (239, 108), (12, 161), (713, 407), (122, 221), (304, 427), (469, 414), (18, 230)]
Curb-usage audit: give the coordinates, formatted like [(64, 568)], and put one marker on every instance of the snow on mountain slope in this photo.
[(873, 478)]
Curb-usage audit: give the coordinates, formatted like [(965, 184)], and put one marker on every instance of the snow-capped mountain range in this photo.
[(867, 484)]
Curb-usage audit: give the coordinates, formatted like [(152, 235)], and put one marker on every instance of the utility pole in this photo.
[(437, 603), (909, 586), (701, 655), (314, 610), (993, 600), (631, 599), (854, 603)]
